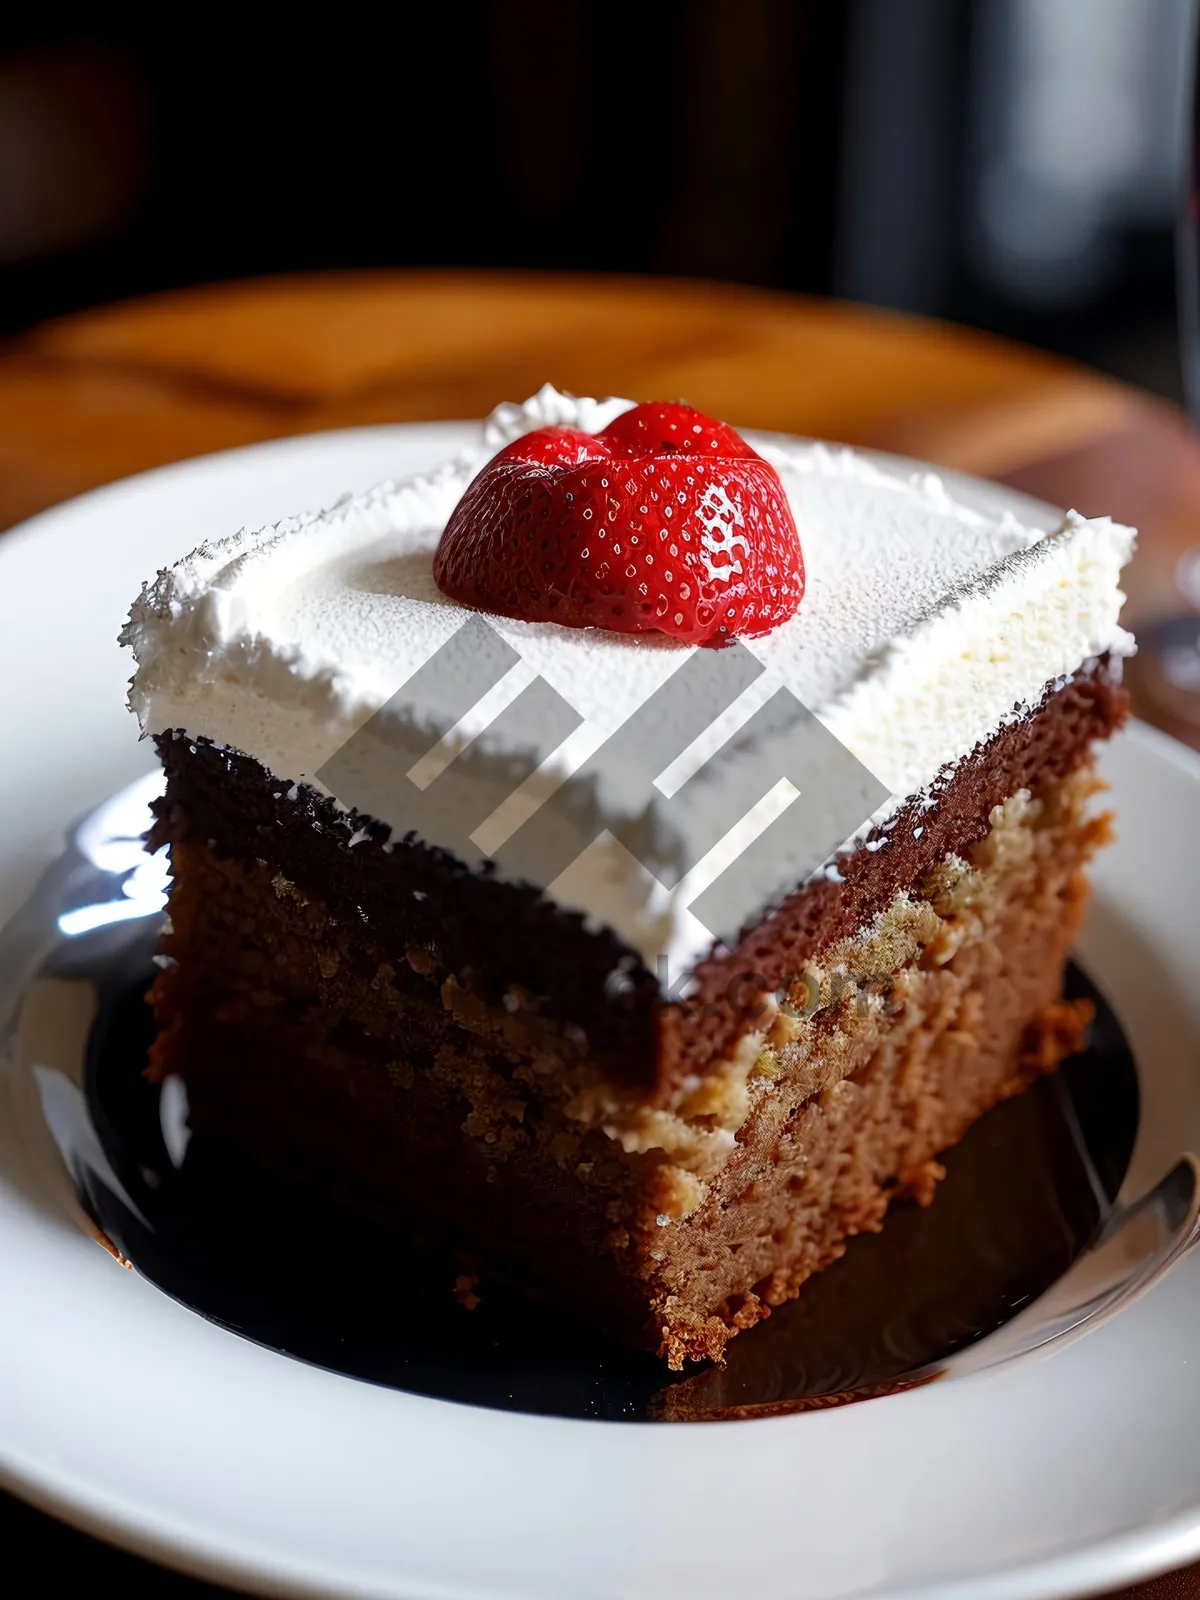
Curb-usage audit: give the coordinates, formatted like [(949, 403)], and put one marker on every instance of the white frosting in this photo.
[(924, 626)]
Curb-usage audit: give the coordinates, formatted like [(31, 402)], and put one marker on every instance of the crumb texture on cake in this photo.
[(367, 1068), (496, 937)]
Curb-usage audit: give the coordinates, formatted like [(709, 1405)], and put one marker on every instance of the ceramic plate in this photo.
[(1071, 1469)]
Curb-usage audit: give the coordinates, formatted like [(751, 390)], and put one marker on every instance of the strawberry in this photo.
[(665, 521)]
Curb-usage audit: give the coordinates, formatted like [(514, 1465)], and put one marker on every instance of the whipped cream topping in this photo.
[(925, 626)]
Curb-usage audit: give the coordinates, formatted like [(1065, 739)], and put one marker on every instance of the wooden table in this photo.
[(125, 387), (130, 386)]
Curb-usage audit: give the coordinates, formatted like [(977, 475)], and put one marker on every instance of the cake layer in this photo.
[(505, 945), (339, 1056), (927, 626)]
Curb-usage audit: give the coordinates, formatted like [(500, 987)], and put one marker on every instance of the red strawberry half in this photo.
[(665, 521)]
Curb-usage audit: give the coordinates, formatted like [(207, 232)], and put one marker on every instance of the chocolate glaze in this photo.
[(492, 933)]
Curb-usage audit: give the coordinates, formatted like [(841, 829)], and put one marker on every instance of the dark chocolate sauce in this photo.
[(1024, 1194)]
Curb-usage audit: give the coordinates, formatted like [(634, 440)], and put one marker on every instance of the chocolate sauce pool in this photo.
[(1024, 1193)]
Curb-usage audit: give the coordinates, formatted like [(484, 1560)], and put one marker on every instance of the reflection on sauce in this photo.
[(1024, 1193)]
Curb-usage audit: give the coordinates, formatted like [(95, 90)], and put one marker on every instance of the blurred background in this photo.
[(1011, 164)]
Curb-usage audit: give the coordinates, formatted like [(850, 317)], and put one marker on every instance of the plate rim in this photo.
[(1114, 1562)]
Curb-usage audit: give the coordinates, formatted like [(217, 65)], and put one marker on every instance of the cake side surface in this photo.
[(493, 936), (314, 1017)]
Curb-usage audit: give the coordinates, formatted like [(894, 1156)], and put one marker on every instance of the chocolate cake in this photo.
[(646, 972)]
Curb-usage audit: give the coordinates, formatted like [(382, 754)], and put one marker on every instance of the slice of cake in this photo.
[(508, 909)]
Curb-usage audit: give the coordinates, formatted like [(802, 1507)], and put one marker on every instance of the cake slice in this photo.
[(646, 971)]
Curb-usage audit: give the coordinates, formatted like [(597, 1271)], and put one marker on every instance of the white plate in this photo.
[(137, 1419)]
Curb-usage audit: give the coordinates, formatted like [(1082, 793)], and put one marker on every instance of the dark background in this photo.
[(1007, 163)]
